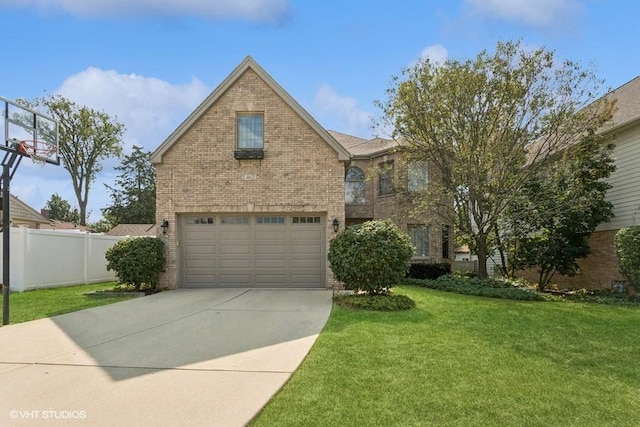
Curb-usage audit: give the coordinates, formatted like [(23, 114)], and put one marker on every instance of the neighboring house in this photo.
[(463, 253), (251, 187), (133, 230), (600, 268), (24, 215)]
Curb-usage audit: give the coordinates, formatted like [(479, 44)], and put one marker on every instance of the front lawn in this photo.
[(36, 304), (468, 361)]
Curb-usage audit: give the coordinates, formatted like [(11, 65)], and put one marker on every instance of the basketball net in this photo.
[(38, 151)]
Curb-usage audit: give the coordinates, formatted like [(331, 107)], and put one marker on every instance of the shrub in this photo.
[(137, 261), (627, 242), (490, 288), (371, 256), (428, 271), (375, 302)]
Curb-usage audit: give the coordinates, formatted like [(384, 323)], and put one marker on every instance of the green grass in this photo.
[(36, 304), (468, 361)]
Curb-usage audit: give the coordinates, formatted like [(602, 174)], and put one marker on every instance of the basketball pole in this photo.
[(6, 239)]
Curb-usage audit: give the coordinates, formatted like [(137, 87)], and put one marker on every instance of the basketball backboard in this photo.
[(28, 133)]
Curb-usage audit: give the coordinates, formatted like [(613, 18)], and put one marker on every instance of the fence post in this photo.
[(85, 264)]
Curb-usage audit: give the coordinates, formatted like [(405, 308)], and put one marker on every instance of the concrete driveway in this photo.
[(178, 358)]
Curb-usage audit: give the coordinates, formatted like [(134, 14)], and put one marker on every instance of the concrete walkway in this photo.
[(178, 358)]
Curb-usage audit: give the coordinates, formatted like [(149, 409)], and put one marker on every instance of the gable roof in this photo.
[(364, 148), (248, 63), (19, 211), (627, 111), (132, 230)]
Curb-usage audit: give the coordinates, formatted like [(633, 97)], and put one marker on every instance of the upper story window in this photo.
[(417, 176), (385, 178), (250, 131), (354, 187)]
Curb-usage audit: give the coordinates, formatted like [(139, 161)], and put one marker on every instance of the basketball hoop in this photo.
[(38, 151)]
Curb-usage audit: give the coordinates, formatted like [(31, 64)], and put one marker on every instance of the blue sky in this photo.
[(151, 62)]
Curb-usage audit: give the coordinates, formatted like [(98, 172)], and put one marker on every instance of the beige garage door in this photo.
[(252, 251)]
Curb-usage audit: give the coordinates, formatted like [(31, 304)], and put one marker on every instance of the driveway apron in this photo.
[(205, 357)]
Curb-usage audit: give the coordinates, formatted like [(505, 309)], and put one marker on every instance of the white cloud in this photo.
[(150, 109), (252, 10), (437, 54), (539, 13), (341, 113)]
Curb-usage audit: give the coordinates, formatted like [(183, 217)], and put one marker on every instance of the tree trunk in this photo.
[(503, 260), (83, 213), (481, 246)]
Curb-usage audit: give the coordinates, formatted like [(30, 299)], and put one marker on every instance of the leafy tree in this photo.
[(86, 138), (559, 209), (100, 226), (134, 198), (627, 242), (479, 122), (371, 257), (60, 209)]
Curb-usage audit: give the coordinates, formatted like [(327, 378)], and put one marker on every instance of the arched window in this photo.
[(354, 187)]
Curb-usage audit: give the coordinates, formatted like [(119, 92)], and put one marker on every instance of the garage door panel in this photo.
[(271, 263), (305, 249), (253, 251), (198, 235), (200, 278), (192, 264), (304, 233), (306, 279), (274, 232), (271, 278), (306, 263), (235, 249), (274, 249), (195, 250), (235, 234), (235, 263), (228, 278)]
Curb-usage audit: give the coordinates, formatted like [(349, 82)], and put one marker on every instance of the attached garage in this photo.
[(270, 250)]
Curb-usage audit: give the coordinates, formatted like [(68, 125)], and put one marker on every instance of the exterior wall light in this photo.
[(336, 225), (164, 226)]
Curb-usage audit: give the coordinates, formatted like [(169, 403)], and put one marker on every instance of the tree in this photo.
[(60, 209), (371, 257), (134, 198), (487, 126), (559, 209), (86, 138)]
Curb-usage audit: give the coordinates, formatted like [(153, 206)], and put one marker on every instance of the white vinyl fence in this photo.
[(44, 258)]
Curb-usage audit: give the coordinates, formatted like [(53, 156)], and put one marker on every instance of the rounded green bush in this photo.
[(137, 261), (627, 242), (370, 257)]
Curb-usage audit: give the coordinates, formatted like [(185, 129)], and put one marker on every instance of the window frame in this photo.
[(239, 140), (417, 176), (351, 188), (386, 173), (411, 231)]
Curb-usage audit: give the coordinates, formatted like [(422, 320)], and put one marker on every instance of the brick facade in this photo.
[(198, 173), (399, 206), (598, 271)]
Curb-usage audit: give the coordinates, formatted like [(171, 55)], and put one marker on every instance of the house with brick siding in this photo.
[(600, 269), (253, 189)]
